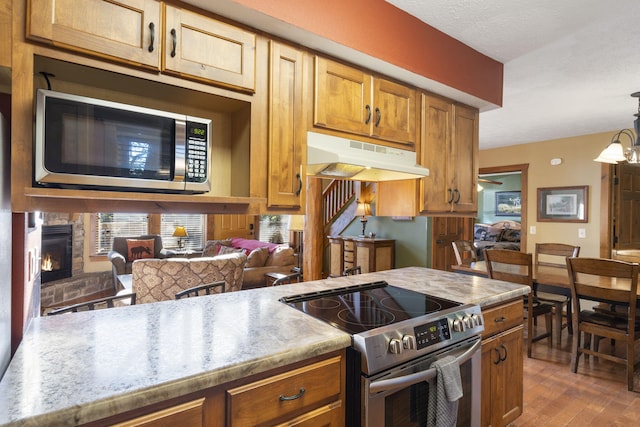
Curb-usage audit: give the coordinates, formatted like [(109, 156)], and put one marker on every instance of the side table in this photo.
[(272, 277)]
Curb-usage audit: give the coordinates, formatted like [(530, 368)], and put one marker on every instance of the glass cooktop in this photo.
[(359, 308)]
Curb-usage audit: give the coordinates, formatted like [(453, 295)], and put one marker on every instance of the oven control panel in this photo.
[(409, 339)]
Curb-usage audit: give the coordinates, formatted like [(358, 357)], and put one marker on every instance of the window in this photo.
[(106, 226), (194, 223), (274, 228), (110, 225)]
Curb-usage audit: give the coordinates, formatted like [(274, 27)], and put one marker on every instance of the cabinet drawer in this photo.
[(502, 317), (348, 257), (349, 245), (286, 395), (190, 414)]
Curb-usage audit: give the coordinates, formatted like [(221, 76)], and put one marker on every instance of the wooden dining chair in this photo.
[(206, 289), (352, 271), (464, 251), (517, 267), (96, 304), (555, 255), (289, 278), (591, 279)]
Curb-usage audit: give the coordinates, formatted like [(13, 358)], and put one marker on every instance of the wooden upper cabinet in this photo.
[(394, 111), (342, 97), (127, 31), (449, 148), (130, 31), (5, 33), (205, 49), (350, 100), (287, 130)]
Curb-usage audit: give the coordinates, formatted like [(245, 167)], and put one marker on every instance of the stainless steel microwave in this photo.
[(83, 142)]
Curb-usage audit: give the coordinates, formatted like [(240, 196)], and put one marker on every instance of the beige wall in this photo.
[(577, 169)]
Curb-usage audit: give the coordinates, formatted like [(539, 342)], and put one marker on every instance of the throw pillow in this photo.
[(282, 255), (511, 235), (492, 234), (138, 249), (229, 250), (257, 257), (212, 247)]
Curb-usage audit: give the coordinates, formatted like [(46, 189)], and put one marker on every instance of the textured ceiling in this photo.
[(569, 65)]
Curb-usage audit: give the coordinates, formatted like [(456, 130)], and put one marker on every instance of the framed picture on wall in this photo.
[(563, 204), (508, 203)]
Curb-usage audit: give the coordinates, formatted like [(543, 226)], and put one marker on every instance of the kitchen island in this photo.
[(77, 368)]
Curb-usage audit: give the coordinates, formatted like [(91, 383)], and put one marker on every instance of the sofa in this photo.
[(262, 258), (156, 280), (499, 235), (125, 250)]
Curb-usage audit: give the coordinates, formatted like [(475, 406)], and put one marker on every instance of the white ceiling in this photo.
[(570, 66)]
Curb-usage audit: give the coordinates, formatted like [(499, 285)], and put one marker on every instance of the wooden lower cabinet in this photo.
[(502, 364), (305, 394)]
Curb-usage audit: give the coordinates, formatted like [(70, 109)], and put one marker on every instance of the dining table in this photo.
[(553, 278)]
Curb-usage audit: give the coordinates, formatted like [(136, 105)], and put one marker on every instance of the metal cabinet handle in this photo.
[(174, 42), (499, 358), (294, 397), (368, 119), (500, 319), (152, 30), (502, 359), (299, 184), (450, 200), (378, 116), (457, 193)]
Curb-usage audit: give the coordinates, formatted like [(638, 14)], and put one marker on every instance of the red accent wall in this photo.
[(381, 30)]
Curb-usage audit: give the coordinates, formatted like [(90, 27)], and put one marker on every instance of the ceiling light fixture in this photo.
[(614, 152)]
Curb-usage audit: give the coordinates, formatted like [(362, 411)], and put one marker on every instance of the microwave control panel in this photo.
[(197, 149)]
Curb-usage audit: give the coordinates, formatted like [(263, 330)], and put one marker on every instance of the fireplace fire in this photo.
[(57, 242)]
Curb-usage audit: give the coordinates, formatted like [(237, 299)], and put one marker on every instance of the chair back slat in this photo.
[(464, 251), (554, 254), (604, 279), (510, 266)]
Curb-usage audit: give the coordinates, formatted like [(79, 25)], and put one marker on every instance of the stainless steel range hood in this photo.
[(329, 156)]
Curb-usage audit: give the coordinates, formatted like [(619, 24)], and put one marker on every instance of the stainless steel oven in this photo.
[(399, 396), (397, 334)]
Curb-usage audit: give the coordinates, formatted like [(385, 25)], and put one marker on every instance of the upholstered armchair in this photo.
[(160, 279), (125, 250)]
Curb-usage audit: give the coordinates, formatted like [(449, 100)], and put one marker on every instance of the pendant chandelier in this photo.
[(615, 152)]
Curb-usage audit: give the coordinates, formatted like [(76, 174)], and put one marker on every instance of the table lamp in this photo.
[(180, 232), (363, 210)]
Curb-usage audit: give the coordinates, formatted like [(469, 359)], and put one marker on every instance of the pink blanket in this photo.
[(249, 244)]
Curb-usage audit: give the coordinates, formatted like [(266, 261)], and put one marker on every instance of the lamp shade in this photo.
[(180, 231), (363, 209), (296, 222), (612, 154)]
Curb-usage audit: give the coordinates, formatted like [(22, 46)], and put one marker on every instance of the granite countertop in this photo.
[(75, 368)]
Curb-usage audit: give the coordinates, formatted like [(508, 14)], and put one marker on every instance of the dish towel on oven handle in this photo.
[(444, 392)]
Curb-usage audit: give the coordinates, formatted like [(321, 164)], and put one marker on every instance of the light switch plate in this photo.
[(532, 229), (582, 233)]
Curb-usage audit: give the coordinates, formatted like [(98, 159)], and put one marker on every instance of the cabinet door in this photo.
[(394, 112), (287, 129), (435, 153), (190, 414), (5, 33), (126, 30), (502, 374), (465, 157), (205, 49), (342, 99)]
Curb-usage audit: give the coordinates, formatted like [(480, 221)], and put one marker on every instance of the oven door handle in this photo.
[(407, 380)]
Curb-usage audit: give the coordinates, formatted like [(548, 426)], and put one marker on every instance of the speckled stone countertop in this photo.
[(75, 368)]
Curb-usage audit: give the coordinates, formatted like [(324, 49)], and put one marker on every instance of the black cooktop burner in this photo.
[(360, 308)]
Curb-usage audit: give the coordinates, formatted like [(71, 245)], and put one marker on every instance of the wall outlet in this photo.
[(582, 233), (532, 229)]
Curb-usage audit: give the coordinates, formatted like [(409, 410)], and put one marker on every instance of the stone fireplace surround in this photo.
[(80, 285)]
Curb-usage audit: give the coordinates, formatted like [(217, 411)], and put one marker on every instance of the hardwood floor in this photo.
[(596, 395)]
